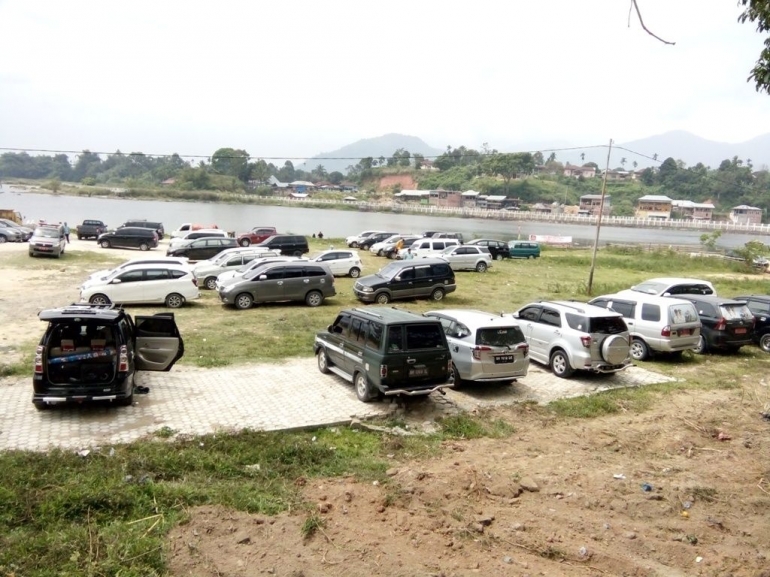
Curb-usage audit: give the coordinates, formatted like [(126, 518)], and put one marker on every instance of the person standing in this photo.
[(409, 254), (67, 232)]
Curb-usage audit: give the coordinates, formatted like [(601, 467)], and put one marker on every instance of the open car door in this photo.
[(158, 344)]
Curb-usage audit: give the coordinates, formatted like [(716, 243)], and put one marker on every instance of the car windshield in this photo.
[(650, 288), (388, 272), (47, 232), (500, 336)]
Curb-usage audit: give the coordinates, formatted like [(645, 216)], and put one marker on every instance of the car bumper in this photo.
[(121, 389)]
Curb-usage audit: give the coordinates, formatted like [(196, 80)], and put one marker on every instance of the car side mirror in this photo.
[(262, 277), (116, 281)]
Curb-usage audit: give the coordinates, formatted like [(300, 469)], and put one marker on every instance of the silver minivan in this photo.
[(656, 323)]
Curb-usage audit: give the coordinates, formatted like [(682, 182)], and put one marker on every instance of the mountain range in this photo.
[(677, 144)]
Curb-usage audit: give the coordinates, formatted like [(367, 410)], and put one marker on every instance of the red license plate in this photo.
[(740, 331)]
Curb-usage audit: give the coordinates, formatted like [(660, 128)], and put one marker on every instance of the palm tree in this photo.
[(655, 157), (623, 162), (582, 157), (635, 164)]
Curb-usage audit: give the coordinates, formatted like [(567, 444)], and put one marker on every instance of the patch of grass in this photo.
[(466, 426), (16, 369), (312, 523), (708, 494)]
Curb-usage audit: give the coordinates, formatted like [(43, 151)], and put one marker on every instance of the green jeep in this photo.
[(385, 351)]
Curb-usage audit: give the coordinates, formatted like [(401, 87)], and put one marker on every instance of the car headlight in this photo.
[(367, 289), (227, 289)]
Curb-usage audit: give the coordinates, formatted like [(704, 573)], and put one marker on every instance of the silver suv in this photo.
[(570, 336)]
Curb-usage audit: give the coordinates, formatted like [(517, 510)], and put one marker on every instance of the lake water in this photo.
[(333, 223)]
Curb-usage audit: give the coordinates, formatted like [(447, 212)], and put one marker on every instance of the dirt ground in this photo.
[(682, 489)]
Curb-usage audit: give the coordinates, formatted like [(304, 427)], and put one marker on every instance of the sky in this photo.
[(295, 78)]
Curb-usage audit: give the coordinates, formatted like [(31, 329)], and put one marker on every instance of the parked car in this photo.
[(353, 241), (497, 248), (523, 249), (202, 248), (207, 271), (278, 282), (456, 235), (758, 262), (656, 324), (256, 235), (9, 233), (385, 351), (144, 284), (129, 237), (288, 244), (570, 336), (340, 262), (25, 232), (366, 243), (432, 278), (759, 305), (463, 257), (190, 226), (389, 247), (727, 324), (230, 276), (47, 240), (151, 224), (427, 247), (667, 286), (484, 347), (160, 260), (92, 353), (191, 235), (90, 229), (376, 248)]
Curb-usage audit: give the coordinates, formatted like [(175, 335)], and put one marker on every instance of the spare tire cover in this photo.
[(615, 349)]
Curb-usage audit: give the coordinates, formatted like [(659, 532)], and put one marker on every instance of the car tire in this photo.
[(80, 237), (244, 242), (437, 295), (355, 272), (560, 364), (456, 378), (498, 256), (32, 254), (2, 239), (639, 350), (382, 299), (364, 389), (105, 244), (243, 301), (297, 253), (99, 299), (702, 347), (323, 361), (42, 406), (531, 256), (144, 246), (174, 301), (764, 342), (481, 267), (314, 299), (379, 252), (210, 283)]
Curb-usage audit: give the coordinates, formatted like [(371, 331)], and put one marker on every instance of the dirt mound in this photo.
[(405, 180)]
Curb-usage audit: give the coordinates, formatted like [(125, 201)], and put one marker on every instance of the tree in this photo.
[(758, 12), (419, 159), (287, 173), (635, 164), (53, 185), (231, 162), (709, 241), (538, 159), (582, 157), (508, 165), (86, 165), (336, 177), (623, 162), (552, 157), (259, 171)]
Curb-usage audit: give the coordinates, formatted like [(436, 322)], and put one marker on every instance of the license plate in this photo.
[(740, 331), (685, 332), (504, 359), (422, 372)]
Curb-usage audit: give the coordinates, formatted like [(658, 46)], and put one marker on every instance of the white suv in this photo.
[(139, 284), (570, 336)]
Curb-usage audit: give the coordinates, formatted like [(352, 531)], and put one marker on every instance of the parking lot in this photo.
[(268, 397)]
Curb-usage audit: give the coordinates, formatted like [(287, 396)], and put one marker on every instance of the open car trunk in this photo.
[(91, 361)]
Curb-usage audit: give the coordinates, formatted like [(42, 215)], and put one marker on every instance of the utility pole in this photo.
[(599, 221)]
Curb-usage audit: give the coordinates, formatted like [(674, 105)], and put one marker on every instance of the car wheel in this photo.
[(355, 272), (701, 347), (456, 378), (764, 343), (244, 242), (32, 254), (498, 256), (80, 237), (314, 299), (174, 301), (105, 244), (531, 256), (364, 390), (297, 253), (353, 245), (382, 299), (560, 365), (323, 362), (99, 299), (144, 246), (243, 301), (379, 252), (2, 239), (437, 294), (639, 350), (391, 255), (481, 267), (210, 283)]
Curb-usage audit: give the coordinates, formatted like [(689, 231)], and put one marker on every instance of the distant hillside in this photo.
[(375, 147)]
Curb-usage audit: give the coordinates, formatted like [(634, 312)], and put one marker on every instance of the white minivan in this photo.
[(656, 323), (170, 284), (428, 247)]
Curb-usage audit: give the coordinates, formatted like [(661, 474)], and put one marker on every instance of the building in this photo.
[(470, 198), (690, 210), (745, 214), (574, 171), (413, 196), (590, 204), (654, 206), (451, 198)]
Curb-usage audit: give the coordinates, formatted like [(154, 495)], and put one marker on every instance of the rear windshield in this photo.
[(428, 336), (684, 313), (735, 311), (602, 325), (500, 336)]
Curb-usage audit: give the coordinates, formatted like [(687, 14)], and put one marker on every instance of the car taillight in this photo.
[(523, 347), (586, 340), (123, 359), (665, 331), (383, 371), (477, 352), (721, 324), (39, 360), (195, 281)]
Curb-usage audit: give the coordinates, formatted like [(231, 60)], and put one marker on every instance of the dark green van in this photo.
[(524, 249)]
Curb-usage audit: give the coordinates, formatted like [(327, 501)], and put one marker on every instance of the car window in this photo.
[(313, 271), (499, 336), (440, 270), (706, 309), (374, 338), (758, 308), (238, 261), (358, 329), (530, 313), (395, 338), (439, 245), (341, 325), (427, 336), (407, 274), (625, 308), (421, 272), (650, 312), (132, 276), (606, 325), (550, 317), (274, 274), (156, 274), (177, 273), (293, 272)]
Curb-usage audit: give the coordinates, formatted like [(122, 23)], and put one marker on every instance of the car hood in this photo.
[(207, 269), (370, 280), (97, 276), (229, 277)]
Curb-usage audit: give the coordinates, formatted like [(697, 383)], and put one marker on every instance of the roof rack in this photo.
[(564, 304), (368, 312)]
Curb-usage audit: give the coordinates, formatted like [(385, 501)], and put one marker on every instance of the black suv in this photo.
[(726, 324), (367, 243), (497, 248), (385, 351), (287, 244), (151, 224), (129, 237), (203, 248), (91, 352), (759, 305), (423, 277)]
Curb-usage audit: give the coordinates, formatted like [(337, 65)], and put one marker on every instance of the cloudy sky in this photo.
[(293, 78)]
